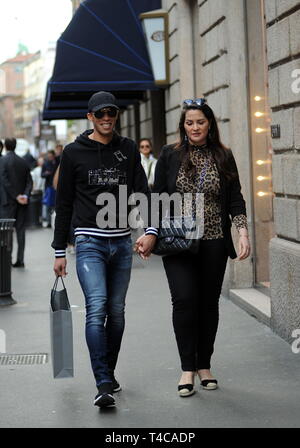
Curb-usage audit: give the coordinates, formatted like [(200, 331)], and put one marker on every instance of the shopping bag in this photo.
[(61, 333), (49, 197)]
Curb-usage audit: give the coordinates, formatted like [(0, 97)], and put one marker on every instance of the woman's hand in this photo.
[(144, 245), (244, 248)]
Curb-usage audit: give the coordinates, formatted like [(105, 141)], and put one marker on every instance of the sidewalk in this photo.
[(257, 371)]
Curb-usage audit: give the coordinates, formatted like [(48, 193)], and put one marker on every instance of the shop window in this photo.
[(261, 147)]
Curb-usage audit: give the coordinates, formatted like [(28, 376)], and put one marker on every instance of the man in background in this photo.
[(2, 191), (31, 161), (17, 184)]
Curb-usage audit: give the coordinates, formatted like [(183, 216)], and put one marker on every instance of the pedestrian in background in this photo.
[(200, 163), (36, 174), (17, 183), (48, 170), (38, 188), (30, 160), (148, 160), (2, 190), (99, 161), (58, 152)]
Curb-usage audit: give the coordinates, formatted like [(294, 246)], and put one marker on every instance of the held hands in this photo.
[(144, 245), (59, 268), (244, 248)]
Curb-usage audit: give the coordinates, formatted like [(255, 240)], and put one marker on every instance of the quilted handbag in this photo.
[(180, 234), (175, 236)]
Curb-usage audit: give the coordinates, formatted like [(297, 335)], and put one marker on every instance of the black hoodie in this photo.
[(87, 169)]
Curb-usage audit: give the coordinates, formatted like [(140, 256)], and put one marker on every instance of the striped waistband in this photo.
[(105, 233)]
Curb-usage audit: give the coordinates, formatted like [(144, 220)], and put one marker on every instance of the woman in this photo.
[(200, 163), (147, 159)]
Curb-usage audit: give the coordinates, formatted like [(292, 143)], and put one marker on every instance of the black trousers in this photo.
[(195, 282), (18, 212)]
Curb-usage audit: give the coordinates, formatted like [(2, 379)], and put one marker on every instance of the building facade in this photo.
[(243, 56), (283, 44), (37, 72), (11, 95)]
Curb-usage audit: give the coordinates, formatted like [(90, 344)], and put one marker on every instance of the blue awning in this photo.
[(103, 48)]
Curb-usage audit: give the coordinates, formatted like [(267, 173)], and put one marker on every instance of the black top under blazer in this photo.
[(231, 198)]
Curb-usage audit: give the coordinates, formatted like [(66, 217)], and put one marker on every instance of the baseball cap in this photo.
[(100, 100)]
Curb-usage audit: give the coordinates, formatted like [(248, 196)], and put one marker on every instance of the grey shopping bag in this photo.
[(61, 333)]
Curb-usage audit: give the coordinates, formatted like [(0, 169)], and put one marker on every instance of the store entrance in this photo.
[(260, 141)]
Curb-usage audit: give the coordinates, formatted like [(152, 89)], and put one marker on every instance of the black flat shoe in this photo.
[(18, 264), (211, 384), (185, 390)]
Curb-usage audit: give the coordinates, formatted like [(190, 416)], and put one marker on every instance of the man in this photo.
[(17, 183), (31, 161), (99, 162)]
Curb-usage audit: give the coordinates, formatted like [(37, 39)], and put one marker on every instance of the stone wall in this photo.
[(283, 30), (208, 57)]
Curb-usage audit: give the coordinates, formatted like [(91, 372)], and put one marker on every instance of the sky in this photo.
[(31, 22)]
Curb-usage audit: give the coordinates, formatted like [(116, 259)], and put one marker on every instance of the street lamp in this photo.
[(155, 26)]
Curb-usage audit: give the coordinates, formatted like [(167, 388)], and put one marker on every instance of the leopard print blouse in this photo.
[(201, 157)]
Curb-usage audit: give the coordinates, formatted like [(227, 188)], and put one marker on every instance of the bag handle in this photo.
[(56, 282)]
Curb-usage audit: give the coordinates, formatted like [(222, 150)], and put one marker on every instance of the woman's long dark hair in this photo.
[(219, 151)]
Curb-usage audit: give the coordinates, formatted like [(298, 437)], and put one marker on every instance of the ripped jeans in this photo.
[(103, 268)]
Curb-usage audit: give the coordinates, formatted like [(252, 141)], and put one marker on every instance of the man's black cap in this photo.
[(100, 100)]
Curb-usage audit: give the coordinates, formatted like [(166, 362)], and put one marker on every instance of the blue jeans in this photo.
[(103, 268)]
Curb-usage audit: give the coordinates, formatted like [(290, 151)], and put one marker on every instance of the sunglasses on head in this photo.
[(196, 102), (110, 112)]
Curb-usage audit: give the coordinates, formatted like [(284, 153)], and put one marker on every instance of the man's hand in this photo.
[(60, 265), (144, 245), (22, 199)]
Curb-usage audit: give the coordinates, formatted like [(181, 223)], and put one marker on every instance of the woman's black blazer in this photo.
[(232, 201)]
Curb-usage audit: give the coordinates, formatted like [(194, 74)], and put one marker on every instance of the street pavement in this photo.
[(257, 371)]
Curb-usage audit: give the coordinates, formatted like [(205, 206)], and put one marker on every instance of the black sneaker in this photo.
[(115, 384), (104, 398)]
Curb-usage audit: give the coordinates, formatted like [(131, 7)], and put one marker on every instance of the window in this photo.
[(260, 141)]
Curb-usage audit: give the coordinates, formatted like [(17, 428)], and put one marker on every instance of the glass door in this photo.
[(260, 140)]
